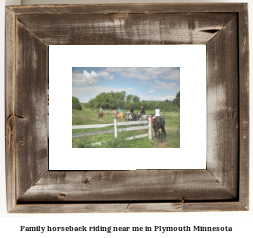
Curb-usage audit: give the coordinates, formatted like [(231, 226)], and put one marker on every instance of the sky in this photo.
[(148, 83)]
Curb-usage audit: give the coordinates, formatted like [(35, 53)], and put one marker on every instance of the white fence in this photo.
[(116, 130), (172, 114), (106, 112)]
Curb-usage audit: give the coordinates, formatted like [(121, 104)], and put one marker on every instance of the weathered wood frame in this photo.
[(222, 186)]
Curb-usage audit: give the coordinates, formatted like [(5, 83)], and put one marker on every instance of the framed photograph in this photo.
[(106, 60), (106, 90)]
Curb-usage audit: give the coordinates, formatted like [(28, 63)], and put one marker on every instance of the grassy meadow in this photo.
[(88, 116)]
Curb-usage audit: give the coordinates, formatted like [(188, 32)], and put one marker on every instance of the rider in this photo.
[(157, 114), (100, 110), (142, 112), (131, 112), (118, 111)]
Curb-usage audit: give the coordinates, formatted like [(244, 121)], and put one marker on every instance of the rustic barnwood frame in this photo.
[(223, 186)]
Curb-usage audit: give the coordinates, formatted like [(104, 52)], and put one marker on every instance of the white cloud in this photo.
[(164, 85), (173, 75), (145, 73), (87, 78), (105, 75), (152, 91), (145, 83), (157, 98)]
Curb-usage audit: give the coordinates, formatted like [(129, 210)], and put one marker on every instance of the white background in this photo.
[(190, 155), (241, 221)]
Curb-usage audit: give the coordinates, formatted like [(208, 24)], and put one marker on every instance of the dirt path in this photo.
[(160, 144), (88, 118)]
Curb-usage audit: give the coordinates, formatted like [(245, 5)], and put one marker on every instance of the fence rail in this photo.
[(91, 126), (133, 128), (105, 125), (116, 130)]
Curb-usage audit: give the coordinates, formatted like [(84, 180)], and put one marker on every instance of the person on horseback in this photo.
[(118, 111), (130, 112), (142, 112), (100, 110), (157, 114)]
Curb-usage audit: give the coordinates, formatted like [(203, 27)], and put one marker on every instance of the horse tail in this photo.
[(163, 129)]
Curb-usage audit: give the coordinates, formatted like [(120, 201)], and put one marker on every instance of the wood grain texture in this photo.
[(30, 108), (9, 109), (139, 185), (244, 106), (223, 186), (129, 207), (222, 107), (129, 8), (122, 29)]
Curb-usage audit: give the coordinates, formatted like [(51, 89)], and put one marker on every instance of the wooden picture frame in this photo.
[(222, 186)]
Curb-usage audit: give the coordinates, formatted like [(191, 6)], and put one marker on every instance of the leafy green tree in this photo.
[(136, 99), (176, 100), (114, 100), (76, 104), (129, 97)]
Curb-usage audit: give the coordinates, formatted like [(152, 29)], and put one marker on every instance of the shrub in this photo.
[(76, 104)]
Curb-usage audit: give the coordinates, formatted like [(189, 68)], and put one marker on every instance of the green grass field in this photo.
[(89, 117)]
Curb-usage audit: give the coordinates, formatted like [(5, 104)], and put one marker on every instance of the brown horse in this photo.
[(114, 112), (101, 114), (120, 115)]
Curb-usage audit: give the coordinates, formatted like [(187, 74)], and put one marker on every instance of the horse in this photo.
[(143, 117), (128, 113), (101, 114), (132, 117), (114, 112), (159, 123), (120, 115)]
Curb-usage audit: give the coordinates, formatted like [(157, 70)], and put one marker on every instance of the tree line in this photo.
[(115, 100)]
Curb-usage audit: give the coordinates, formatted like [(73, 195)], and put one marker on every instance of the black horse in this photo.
[(159, 123), (132, 117)]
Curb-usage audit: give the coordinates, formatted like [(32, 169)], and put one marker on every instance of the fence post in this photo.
[(115, 128), (149, 128)]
